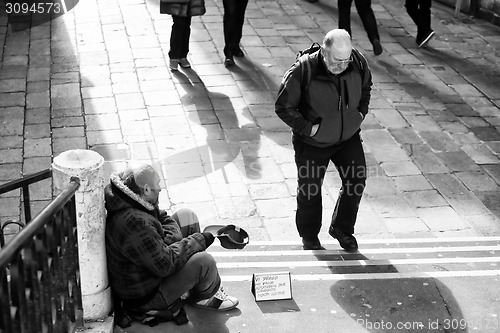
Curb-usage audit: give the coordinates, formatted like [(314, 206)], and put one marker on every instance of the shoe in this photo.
[(312, 0), (218, 302), (377, 47), (426, 39), (229, 62), (184, 63), (348, 242), (174, 63), (238, 53), (312, 244)]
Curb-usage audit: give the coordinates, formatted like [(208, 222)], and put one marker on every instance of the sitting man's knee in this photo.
[(202, 258), (185, 216)]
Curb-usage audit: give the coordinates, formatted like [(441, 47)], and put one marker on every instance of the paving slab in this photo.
[(97, 78)]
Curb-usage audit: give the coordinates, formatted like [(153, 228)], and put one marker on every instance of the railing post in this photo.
[(87, 165)]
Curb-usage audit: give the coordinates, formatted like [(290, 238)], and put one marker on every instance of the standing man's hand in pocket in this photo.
[(314, 129)]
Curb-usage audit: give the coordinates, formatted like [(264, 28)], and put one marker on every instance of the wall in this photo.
[(488, 10)]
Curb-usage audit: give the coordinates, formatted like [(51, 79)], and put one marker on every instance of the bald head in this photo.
[(139, 176), (336, 50), (338, 41)]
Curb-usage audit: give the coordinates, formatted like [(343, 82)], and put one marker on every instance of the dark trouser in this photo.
[(234, 16), (365, 12), (312, 162), (199, 275), (179, 37), (420, 13)]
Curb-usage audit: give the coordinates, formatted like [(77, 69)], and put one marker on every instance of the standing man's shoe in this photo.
[(377, 47), (348, 242), (238, 52), (312, 244), (426, 39), (312, 0), (229, 62), (184, 63), (174, 63)]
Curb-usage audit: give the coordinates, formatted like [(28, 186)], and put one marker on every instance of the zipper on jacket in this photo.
[(341, 111), (346, 95)]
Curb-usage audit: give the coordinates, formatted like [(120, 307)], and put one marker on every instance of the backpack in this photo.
[(306, 72)]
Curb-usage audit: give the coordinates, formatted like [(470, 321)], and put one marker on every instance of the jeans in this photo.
[(312, 162), (199, 275), (179, 37), (365, 12), (420, 13), (234, 16)]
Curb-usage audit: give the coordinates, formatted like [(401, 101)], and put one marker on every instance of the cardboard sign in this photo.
[(272, 286)]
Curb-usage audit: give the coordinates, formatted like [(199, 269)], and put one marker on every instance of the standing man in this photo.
[(420, 13), (365, 12), (234, 17), (153, 258), (325, 112)]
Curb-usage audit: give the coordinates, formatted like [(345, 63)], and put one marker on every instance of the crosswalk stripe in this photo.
[(356, 263), (371, 276), (388, 241), (268, 253), (378, 259)]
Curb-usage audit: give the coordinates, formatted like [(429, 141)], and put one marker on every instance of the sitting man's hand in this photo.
[(209, 238)]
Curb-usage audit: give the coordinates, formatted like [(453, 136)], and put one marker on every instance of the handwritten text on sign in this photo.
[(272, 286)]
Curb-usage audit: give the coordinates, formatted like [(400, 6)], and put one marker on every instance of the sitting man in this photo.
[(153, 259)]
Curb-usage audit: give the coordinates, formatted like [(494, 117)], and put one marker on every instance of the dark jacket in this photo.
[(332, 101), (143, 244), (192, 8)]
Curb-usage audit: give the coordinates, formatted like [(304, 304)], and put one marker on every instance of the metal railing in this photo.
[(24, 184), (39, 270)]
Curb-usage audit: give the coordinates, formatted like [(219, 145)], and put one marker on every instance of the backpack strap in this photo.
[(305, 66), (361, 62), (305, 73)]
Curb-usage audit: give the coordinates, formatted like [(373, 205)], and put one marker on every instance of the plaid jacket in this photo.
[(143, 244)]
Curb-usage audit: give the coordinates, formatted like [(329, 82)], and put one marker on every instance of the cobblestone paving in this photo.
[(97, 78)]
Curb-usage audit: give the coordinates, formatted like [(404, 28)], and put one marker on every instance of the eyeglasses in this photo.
[(332, 61), (342, 61)]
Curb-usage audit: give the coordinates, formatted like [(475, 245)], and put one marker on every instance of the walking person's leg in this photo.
[(413, 11), (419, 11), (228, 22), (178, 37), (344, 7), (365, 12), (351, 165), (425, 31), (185, 43), (239, 22)]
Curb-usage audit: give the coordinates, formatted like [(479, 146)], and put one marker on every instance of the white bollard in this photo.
[(87, 165)]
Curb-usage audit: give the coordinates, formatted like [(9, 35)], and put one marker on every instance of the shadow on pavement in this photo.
[(24, 15), (281, 306), (200, 320), (400, 305), (226, 138), (388, 304)]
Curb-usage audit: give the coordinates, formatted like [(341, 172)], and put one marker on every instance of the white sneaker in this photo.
[(426, 39), (218, 302), (173, 64), (184, 63)]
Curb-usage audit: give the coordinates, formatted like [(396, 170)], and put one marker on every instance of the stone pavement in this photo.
[(97, 78)]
